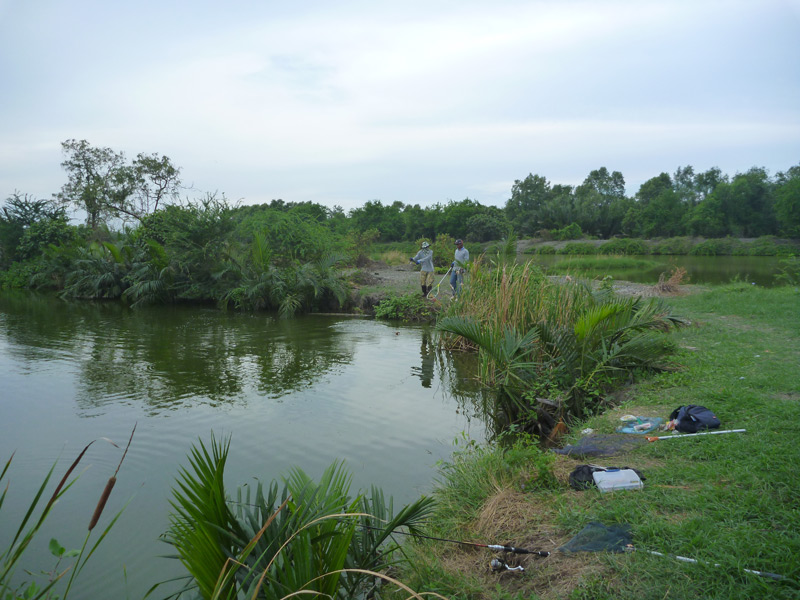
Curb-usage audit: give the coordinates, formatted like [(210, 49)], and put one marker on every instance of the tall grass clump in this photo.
[(553, 351), (624, 246)]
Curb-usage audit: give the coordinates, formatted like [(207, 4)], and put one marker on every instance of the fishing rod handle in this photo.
[(517, 550)]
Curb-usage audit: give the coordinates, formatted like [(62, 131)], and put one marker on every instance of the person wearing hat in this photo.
[(459, 264), (425, 258)]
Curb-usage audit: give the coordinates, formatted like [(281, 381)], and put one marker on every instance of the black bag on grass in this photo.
[(691, 418)]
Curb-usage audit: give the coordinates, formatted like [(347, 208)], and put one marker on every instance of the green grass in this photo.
[(729, 500)]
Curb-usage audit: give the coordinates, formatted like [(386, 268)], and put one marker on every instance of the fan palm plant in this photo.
[(151, 276), (567, 340), (303, 538), (99, 272)]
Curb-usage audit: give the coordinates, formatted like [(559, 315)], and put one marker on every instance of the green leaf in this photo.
[(56, 549)]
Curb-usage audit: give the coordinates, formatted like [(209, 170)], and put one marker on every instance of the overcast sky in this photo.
[(417, 101)]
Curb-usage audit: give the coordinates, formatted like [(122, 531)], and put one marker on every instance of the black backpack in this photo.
[(691, 418)]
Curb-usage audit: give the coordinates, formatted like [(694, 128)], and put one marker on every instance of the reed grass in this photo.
[(551, 350), (12, 556)]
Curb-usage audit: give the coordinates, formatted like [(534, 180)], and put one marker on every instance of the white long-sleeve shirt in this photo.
[(424, 258)]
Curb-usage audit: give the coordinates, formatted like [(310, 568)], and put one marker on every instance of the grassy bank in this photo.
[(729, 500)]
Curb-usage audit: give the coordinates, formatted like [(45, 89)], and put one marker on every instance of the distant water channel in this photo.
[(714, 270), (290, 393)]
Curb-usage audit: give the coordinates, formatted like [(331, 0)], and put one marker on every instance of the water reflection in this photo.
[(384, 399), (427, 358)]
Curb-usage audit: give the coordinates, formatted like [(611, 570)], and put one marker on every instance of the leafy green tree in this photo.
[(685, 186), (417, 223), (706, 182), (388, 220), (454, 216), (600, 202), (94, 180), (707, 218), (153, 180), (524, 208), (28, 225), (101, 183), (489, 224), (748, 204), (296, 234), (658, 211), (787, 202), (559, 210)]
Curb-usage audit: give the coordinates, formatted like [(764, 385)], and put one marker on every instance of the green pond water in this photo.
[(290, 393)]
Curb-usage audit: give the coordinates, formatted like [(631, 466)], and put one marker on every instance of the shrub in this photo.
[(673, 246), (789, 271), (410, 307), (767, 245), (717, 247), (578, 248), (623, 246), (570, 232), (443, 250), (17, 276), (546, 250)]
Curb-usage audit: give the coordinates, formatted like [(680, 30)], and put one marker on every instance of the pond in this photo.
[(760, 270), (290, 393)]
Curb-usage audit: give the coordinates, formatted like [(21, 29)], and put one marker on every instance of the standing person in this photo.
[(459, 264), (425, 258)]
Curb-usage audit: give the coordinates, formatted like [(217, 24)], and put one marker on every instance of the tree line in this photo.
[(143, 240)]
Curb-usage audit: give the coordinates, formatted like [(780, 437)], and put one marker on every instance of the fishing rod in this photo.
[(676, 437), (767, 574), (495, 547)]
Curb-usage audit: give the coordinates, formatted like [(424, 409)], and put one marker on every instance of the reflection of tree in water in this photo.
[(168, 357), (212, 357)]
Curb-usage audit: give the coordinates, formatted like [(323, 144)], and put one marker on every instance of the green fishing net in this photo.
[(602, 445), (596, 537)]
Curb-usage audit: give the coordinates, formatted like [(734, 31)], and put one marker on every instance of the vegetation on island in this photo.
[(142, 242)]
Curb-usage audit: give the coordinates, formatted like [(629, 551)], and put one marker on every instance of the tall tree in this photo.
[(598, 201), (100, 182), (524, 208), (787, 202), (94, 183)]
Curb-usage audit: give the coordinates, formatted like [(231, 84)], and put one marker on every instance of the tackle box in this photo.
[(617, 479)]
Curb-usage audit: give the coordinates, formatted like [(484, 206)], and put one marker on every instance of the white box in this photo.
[(621, 479)]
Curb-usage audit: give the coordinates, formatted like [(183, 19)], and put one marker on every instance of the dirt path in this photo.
[(404, 279)]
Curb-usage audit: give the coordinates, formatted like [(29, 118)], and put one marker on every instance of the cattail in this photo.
[(101, 504)]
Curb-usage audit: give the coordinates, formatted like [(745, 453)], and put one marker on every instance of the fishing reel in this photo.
[(498, 565)]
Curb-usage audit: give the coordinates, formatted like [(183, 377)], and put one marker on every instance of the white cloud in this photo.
[(360, 101)]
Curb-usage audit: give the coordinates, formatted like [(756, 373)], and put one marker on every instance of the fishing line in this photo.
[(496, 547)]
